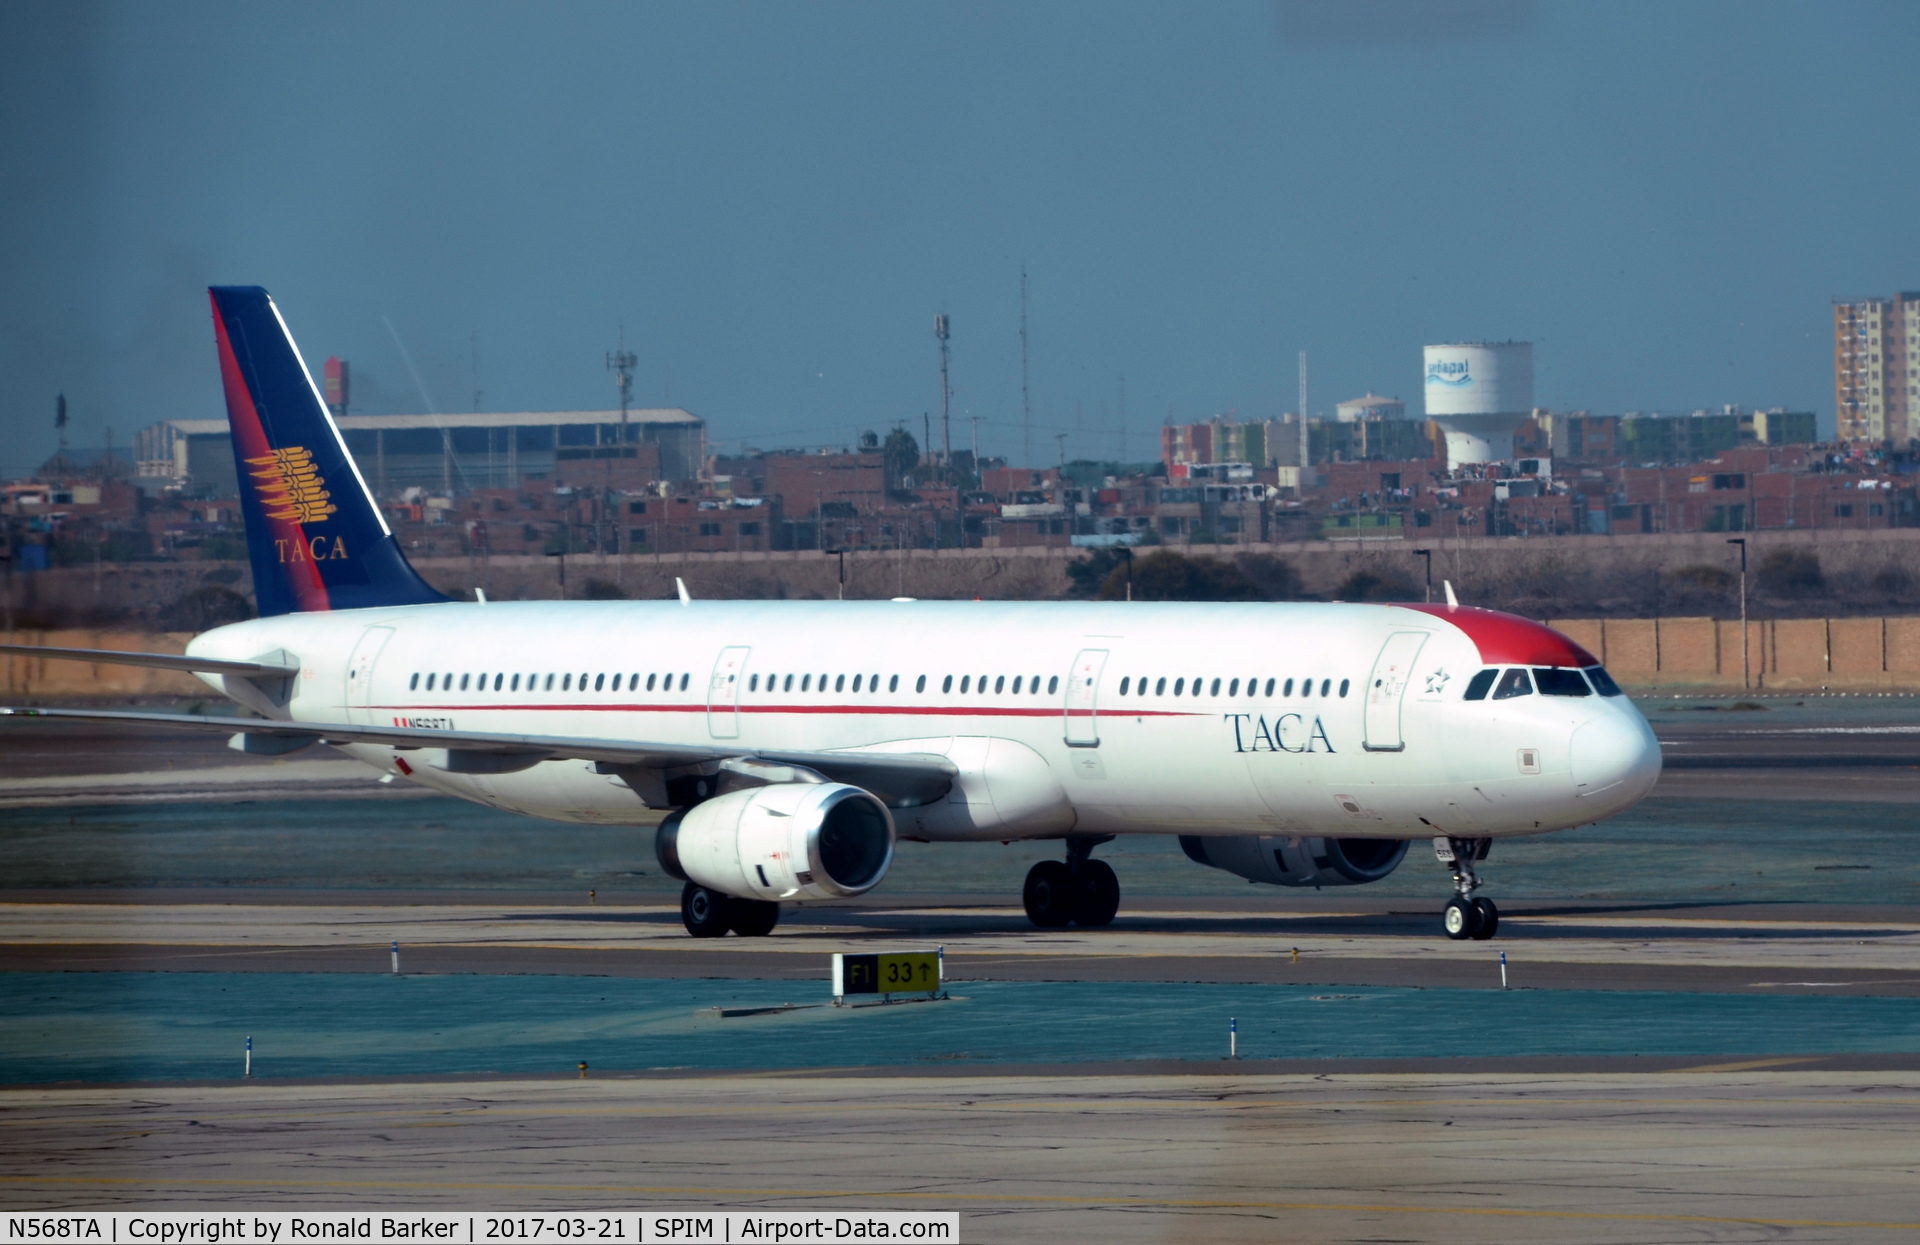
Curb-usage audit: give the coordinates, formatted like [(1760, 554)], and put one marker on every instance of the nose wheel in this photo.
[(1466, 916), (1077, 891)]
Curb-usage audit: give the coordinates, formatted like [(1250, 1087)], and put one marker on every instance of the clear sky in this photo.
[(774, 200)]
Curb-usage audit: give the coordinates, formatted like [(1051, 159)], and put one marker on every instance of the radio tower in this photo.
[(1026, 405), (1304, 445), (620, 362), (940, 331)]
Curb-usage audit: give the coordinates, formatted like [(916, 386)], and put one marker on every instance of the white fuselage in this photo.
[(1039, 705)]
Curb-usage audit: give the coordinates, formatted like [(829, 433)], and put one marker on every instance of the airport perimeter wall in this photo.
[(1783, 655)]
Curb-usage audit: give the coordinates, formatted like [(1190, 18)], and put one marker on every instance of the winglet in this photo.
[(681, 585), (1448, 585)]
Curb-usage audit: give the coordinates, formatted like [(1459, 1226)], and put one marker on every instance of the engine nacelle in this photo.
[(782, 841), (1287, 861)]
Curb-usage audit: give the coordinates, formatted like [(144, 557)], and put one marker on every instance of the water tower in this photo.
[(1478, 392)]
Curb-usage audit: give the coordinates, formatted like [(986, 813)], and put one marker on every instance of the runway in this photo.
[(1712, 1154)]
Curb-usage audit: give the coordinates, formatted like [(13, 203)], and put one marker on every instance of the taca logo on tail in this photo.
[(315, 536)]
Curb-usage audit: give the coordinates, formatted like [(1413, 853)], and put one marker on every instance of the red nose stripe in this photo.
[(1508, 639)]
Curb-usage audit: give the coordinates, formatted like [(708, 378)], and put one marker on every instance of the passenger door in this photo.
[(1385, 687), (723, 693), (1083, 688), (360, 668)]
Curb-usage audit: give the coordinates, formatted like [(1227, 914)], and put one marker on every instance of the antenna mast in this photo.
[(941, 332), (1305, 448), (620, 362), (1026, 405)]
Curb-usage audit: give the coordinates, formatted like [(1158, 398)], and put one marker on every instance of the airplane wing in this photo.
[(160, 661), (902, 780)]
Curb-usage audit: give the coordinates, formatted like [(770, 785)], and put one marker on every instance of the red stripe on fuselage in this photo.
[(250, 438), (863, 710)]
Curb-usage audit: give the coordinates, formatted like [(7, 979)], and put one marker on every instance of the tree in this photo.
[(901, 456), (1170, 576)]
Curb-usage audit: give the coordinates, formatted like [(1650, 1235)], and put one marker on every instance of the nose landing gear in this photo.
[(1079, 890), (1465, 916)]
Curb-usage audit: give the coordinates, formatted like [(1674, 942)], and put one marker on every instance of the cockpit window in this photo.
[(1479, 685), (1513, 683), (1554, 681), (1603, 682)]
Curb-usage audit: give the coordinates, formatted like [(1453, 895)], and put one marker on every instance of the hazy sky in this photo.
[(775, 200)]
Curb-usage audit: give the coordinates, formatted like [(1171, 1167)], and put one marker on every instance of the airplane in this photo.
[(791, 744)]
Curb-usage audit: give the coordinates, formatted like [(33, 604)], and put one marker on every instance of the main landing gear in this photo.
[(710, 914), (1079, 890), (1464, 916)]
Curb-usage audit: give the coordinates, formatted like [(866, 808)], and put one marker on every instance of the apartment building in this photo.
[(1876, 367)]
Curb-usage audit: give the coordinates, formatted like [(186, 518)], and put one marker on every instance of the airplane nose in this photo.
[(1616, 756)]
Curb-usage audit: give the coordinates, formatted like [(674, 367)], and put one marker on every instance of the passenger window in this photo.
[(651, 680), (946, 684), (1480, 684), (1603, 682), (1123, 687), (1344, 683), (786, 685), (1233, 689), (999, 684), (1554, 681), (1179, 687), (463, 682), (1053, 685), (1306, 687), (599, 682), (413, 684), (982, 684), (1160, 688), (893, 683), (1326, 685), (683, 682), (966, 681), (873, 683), (1016, 686), (806, 681), (920, 684), (753, 683), (1033, 684), (839, 683), (566, 684), (1514, 683), (633, 682), (1270, 686), (429, 682), (515, 685), (1288, 689), (1215, 690)]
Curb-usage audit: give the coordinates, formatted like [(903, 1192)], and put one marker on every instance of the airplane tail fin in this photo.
[(315, 535)]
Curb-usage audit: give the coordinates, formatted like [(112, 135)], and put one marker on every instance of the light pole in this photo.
[(1428, 555), (1746, 676)]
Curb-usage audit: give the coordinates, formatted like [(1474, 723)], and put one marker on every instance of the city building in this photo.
[(1876, 367), (457, 454), (1371, 406)]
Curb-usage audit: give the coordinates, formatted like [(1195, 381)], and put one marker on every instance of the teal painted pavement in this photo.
[(157, 1026)]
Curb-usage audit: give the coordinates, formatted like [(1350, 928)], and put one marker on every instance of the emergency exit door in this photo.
[(723, 693), (1082, 705)]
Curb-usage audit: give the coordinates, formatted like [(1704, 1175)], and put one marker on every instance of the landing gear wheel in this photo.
[(1489, 918), (1098, 897), (753, 918), (1049, 894), (1459, 918), (705, 913)]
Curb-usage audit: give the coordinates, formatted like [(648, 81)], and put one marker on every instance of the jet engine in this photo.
[(1287, 861), (781, 841)]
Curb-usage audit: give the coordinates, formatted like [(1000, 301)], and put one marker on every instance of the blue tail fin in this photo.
[(314, 533)]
